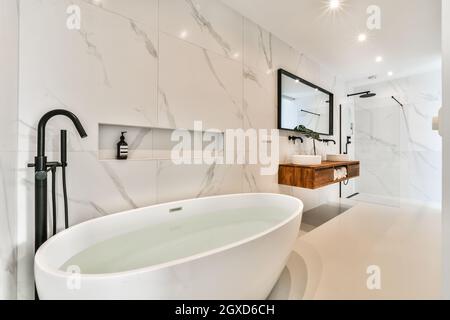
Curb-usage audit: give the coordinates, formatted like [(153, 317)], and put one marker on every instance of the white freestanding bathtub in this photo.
[(223, 247)]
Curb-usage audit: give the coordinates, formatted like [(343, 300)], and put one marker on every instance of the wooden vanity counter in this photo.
[(316, 176)]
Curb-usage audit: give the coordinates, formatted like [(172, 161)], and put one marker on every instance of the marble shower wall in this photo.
[(9, 54), (148, 63), (400, 154)]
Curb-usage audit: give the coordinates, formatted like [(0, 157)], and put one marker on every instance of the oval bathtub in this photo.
[(222, 247)]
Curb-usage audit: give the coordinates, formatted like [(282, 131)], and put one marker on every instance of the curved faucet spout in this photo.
[(43, 122)]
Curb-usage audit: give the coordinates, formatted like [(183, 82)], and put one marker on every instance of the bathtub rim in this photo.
[(41, 265)]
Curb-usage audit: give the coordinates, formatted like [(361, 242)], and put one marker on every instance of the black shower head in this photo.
[(363, 95), (368, 95)]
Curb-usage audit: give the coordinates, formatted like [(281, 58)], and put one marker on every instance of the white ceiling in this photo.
[(409, 39)]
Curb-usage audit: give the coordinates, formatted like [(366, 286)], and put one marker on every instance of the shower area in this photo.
[(388, 128)]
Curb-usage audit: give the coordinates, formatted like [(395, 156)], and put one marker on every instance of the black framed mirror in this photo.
[(301, 102)]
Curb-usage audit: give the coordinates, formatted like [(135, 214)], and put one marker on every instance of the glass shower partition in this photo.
[(371, 133)]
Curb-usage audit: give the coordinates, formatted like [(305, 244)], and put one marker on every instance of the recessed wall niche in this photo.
[(150, 143)]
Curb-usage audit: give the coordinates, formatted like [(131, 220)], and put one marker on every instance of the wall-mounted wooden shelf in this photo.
[(316, 176)]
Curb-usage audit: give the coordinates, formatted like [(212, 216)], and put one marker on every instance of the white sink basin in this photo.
[(338, 157), (306, 160)]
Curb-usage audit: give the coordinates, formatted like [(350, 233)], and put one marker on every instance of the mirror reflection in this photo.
[(302, 103)]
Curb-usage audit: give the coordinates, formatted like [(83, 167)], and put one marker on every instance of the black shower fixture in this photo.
[(363, 95), (42, 167), (401, 104)]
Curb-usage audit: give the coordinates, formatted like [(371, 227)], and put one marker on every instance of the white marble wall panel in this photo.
[(254, 181), (165, 140), (107, 187), (25, 229), (8, 147), (423, 180), (205, 23), (106, 71), (196, 84), (176, 182), (264, 54), (141, 11), (8, 241)]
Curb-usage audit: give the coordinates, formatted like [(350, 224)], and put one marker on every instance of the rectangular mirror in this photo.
[(303, 103)]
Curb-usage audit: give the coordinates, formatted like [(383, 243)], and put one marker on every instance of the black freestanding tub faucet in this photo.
[(42, 167)]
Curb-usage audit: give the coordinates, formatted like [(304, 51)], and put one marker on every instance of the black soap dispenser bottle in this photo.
[(122, 148)]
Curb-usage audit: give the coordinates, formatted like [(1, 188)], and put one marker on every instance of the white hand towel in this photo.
[(340, 173)]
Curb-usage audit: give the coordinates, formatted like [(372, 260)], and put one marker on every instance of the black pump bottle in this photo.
[(122, 148)]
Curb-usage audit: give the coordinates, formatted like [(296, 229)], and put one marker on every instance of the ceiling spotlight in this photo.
[(362, 37), (183, 34), (379, 59), (334, 4), (390, 73)]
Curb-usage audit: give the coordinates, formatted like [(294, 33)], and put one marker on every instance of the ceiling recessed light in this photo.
[(183, 34), (334, 4), (362, 37), (379, 59), (390, 73)]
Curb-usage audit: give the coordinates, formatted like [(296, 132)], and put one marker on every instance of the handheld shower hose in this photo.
[(63, 170)]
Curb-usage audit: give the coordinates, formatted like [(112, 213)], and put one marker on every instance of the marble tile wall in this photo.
[(149, 63), (8, 147), (400, 153)]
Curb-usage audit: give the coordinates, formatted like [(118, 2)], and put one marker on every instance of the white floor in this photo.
[(388, 201), (331, 261)]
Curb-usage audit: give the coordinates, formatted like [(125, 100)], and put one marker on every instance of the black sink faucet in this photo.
[(328, 141), (349, 142), (41, 167), (292, 138)]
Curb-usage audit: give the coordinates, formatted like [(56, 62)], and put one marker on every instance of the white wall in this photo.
[(8, 147), (153, 64), (400, 154), (445, 131)]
